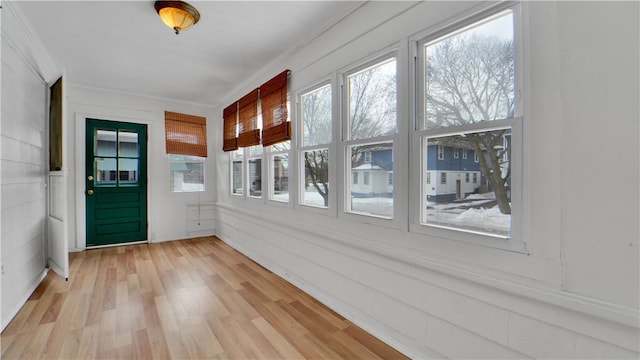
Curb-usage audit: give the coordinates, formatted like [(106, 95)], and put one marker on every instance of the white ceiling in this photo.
[(124, 46)]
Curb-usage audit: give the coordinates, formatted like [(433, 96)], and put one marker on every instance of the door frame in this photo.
[(80, 188), (57, 228)]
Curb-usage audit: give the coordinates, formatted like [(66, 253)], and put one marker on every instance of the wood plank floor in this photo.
[(196, 299)]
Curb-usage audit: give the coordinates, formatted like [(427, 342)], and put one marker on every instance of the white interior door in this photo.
[(58, 233), (57, 249)]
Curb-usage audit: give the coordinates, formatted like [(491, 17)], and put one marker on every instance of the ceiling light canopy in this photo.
[(177, 15)]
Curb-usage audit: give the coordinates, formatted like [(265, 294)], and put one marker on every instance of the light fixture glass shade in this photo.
[(177, 15)]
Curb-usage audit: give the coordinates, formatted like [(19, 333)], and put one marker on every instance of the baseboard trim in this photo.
[(34, 285)]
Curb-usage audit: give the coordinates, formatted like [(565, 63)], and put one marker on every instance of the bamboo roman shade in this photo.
[(273, 99), (185, 134), (230, 116), (248, 120)]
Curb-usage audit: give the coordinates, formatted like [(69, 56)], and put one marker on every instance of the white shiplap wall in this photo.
[(574, 293), (23, 161)]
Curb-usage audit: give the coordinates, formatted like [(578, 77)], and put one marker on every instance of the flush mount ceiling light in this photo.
[(177, 15)]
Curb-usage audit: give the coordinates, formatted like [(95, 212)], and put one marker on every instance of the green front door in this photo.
[(116, 182)]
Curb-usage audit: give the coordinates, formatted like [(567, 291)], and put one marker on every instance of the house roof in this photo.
[(367, 167)]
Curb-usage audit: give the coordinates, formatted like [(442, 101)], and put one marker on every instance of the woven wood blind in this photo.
[(273, 97), (248, 120), (185, 134), (230, 116)]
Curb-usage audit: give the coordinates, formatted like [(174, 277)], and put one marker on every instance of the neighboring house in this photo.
[(452, 173), (280, 175), (372, 172)]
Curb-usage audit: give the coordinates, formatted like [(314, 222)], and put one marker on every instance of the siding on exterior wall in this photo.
[(22, 184)]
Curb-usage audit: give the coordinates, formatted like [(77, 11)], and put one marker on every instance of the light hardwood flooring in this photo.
[(195, 298)]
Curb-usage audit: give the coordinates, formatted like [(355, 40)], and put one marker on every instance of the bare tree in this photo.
[(316, 115), (372, 103), (372, 109), (470, 79), (316, 164)]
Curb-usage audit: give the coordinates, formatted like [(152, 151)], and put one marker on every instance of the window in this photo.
[(275, 110), (456, 153), (185, 134), (428, 177), (186, 144), (316, 127), (248, 123), (367, 157), (254, 171), (187, 173), (370, 128), (279, 165), (355, 178), (390, 182), (468, 82), (237, 187)]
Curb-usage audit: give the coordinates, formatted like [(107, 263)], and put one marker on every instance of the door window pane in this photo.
[(127, 144), (128, 170), (105, 143), (106, 171)]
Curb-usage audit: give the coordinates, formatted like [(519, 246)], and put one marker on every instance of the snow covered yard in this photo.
[(476, 212)]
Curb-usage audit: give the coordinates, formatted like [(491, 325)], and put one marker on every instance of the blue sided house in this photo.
[(372, 171), (452, 173)]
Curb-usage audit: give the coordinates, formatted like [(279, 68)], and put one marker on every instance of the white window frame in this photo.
[(242, 173), (247, 180), (516, 241), (191, 159), (301, 148), (270, 154), (345, 141)]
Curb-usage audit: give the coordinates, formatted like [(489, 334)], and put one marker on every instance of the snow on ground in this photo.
[(476, 212)]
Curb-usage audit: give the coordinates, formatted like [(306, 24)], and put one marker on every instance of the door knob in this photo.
[(90, 178), (89, 192)]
